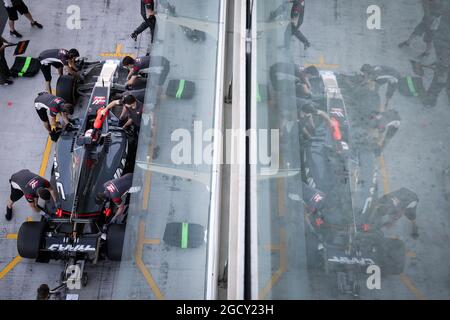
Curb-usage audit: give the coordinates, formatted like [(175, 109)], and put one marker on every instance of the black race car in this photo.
[(90, 151), (339, 238)]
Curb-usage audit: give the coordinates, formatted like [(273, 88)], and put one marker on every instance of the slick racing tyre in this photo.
[(29, 239), (65, 88), (114, 241), (392, 256)]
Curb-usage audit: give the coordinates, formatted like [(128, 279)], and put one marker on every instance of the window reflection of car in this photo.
[(336, 240)]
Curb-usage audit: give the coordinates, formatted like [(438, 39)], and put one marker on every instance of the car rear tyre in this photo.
[(392, 256), (84, 279), (114, 241), (314, 257), (65, 88), (29, 239)]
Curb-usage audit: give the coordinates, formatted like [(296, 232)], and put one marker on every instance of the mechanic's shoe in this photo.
[(155, 152), (134, 36), (8, 214), (37, 25), (15, 34), (423, 55), (415, 232), (404, 44), (7, 82)]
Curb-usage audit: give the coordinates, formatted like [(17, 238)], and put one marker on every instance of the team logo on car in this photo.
[(69, 247), (317, 197), (99, 101), (338, 112), (353, 260)]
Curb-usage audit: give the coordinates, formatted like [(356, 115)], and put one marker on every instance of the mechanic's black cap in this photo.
[(73, 53), (127, 61), (44, 194), (309, 108), (128, 99), (366, 68), (312, 70)]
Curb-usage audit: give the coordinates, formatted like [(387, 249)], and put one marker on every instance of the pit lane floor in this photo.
[(105, 29), (416, 156)]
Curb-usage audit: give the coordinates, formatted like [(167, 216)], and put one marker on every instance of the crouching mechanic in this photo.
[(392, 206), (135, 66), (47, 103), (116, 191), (32, 186), (314, 202)]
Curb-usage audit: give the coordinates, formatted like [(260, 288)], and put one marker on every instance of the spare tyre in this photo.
[(29, 239), (114, 241), (392, 256), (65, 88)]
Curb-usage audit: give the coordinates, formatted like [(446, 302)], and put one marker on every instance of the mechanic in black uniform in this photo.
[(298, 6), (381, 75), (293, 29), (306, 117), (136, 66), (314, 199), (4, 69), (46, 102), (432, 12), (13, 7), (392, 206), (314, 202), (156, 67), (32, 186), (131, 113), (148, 14), (384, 126), (138, 94), (58, 58), (115, 190)]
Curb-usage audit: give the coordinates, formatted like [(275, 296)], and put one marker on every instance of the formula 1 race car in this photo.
[(90, 151), (339, 239)]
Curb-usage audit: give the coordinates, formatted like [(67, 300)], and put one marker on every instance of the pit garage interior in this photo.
[(254, 236)]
